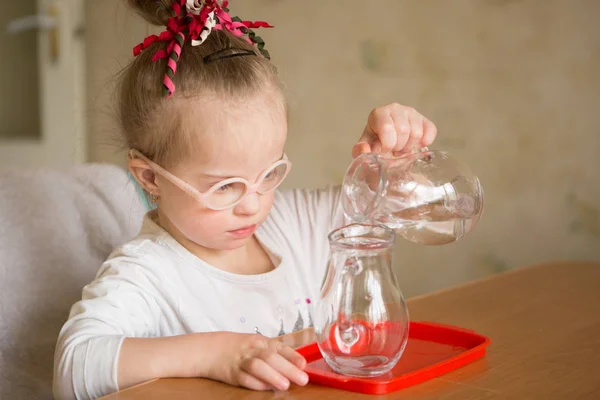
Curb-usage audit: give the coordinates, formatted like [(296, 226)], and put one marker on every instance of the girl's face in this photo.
[(235, 139)]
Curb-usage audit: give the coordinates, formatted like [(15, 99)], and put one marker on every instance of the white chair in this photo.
[(56, 228)]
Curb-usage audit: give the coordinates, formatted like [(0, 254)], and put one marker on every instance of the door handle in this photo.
[(48, 22), (31, 22)]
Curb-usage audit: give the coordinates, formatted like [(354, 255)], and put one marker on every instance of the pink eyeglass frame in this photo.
[(201, 197)]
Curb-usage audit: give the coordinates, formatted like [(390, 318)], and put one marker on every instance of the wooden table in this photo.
[(544, 322)]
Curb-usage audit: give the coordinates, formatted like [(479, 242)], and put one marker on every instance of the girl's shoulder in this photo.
[(149, 251)]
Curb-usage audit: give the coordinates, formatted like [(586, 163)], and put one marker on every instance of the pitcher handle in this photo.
[(349, 331)]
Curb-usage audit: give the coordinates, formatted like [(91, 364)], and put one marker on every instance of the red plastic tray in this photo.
[(432, 350)]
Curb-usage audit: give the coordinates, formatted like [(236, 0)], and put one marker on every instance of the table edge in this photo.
[(118, 392)]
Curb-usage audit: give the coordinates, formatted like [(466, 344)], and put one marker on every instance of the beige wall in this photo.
[(513, 86)]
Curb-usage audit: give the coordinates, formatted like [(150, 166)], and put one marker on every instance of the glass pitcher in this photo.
[(361, 320), (426, 196)]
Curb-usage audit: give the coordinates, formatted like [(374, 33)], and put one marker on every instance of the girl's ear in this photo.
[(144, 175)]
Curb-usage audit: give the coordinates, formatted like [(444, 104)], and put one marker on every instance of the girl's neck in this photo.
[(250, 259)]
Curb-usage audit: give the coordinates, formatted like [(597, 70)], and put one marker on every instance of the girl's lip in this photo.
[(243, 232)]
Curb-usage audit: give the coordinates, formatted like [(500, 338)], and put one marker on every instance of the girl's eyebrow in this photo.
[(220, 176), (212, 175)]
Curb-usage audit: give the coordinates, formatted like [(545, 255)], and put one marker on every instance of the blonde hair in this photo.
[(153, 124)]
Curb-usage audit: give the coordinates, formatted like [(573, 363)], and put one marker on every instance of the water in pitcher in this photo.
[(427, 197), (374, 350), (433, 223)]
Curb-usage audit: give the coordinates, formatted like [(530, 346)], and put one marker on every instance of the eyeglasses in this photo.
[(229, 192)]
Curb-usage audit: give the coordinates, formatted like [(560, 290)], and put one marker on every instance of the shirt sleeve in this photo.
[(312, 214), (315, 210), (120, 303)]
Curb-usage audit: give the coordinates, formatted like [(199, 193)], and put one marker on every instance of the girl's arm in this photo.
[(111, 341), (120, 303), (248, 360)]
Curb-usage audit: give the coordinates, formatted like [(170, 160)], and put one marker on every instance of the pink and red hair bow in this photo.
[(194, 20)]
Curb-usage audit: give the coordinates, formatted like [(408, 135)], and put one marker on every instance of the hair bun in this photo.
[(156, 12)]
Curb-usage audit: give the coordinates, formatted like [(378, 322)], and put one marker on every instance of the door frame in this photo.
[(61, 70)]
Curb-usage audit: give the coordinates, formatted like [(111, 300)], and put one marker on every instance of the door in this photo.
[(42, 98)]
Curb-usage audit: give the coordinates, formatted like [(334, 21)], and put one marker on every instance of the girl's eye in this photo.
[(223, 188), (273, 175)]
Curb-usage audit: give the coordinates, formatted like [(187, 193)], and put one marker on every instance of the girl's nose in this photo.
[(250, 205)]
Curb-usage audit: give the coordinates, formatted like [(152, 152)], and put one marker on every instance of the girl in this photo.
[(224, 262)]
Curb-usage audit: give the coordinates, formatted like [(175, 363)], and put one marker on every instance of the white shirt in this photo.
[(153, 287)]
